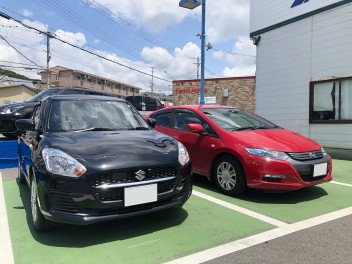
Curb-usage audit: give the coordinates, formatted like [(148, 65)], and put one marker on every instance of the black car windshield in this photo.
[(93, 115), (44, 94), (233, 119)]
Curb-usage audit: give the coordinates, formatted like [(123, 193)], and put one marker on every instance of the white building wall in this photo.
[(283, 75), (290, 57), (266, 13)]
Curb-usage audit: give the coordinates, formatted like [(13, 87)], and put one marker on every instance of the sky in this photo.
[(147, 42)]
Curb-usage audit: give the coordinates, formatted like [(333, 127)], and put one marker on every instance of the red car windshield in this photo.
[(235, 120)]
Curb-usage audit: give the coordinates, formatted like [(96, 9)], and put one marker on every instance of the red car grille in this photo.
[(311, 155)]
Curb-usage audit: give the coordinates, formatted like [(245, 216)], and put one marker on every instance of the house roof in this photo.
[(7, 81)]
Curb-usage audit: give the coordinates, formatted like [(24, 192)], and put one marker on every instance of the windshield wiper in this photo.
[(138, 128), (96, 129), (250, 127)]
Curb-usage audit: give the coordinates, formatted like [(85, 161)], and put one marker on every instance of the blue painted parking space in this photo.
[(8, 154)]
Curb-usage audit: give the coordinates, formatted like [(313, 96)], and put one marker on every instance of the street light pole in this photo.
[(202, 55), (191, 4)]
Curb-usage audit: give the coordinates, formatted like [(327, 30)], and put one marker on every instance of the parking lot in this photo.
[(209, 226)]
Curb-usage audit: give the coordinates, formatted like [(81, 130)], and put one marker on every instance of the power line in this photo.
[(20, 67), (82, 49), (18, 51), (234, 53), (18, 63), (69, 13)]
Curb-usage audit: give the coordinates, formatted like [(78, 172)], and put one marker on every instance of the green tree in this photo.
[(14, 74)]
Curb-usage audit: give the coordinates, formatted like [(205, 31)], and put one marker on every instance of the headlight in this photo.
[(7, 111), (183, 156), (324, 151), (58, 162), (268, 153)]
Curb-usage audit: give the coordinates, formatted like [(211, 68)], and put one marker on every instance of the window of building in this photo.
[(331, 101), (57, 77)]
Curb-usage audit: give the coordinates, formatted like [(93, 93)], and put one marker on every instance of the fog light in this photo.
[(273, 177)]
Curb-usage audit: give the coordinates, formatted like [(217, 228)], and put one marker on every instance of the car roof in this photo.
[(84, 97), (197, 106)]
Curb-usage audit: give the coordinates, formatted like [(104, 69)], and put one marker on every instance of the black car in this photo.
[(94, 158), (9, 113), (145, 103)]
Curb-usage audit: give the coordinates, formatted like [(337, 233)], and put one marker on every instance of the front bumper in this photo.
[(61, 204), (286, 175)]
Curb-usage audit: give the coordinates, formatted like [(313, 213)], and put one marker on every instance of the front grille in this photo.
[(307, 175), (311, 155), (129, 176)]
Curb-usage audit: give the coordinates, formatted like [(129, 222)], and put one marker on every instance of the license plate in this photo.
[(320, 169), (141, 194)]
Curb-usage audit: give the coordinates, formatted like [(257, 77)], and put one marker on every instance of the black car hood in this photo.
[(109, 150), (18, 105)]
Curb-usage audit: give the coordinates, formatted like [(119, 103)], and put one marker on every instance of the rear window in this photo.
[(134, 99)]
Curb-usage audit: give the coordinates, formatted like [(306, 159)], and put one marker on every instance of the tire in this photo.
[(20, 176), (38, 220), (229, 176)]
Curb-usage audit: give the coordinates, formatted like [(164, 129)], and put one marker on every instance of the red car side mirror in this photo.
[(196, 128)]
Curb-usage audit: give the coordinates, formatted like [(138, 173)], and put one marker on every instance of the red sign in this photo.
[(190, 90)]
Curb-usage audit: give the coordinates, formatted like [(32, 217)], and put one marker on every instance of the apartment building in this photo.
[(61, 76)]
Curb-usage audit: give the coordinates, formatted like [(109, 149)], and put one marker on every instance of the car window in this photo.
[(36, 117), (183, 118), (235, 119), (69, 91), (44, 94), (150, 100), (163, 119), (96, 93), (134, 99), (73, 115)]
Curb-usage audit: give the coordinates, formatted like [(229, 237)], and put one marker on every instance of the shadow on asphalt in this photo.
[(62, 235), (258, 196)]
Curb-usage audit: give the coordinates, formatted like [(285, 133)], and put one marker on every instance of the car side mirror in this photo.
[(151, 122), (25, 124), (195, 128)]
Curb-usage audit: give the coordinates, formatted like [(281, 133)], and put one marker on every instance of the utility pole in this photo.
[(198, 65), (48, 57), (152, 83)]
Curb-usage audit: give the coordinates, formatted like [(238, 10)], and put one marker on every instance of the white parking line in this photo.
[(341, 183), (234, 246), (239, 209), (6, 254)]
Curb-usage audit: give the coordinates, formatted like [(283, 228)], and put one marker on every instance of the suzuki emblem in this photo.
[(140, 175)]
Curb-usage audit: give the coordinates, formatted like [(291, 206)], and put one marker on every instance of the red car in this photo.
[(237, 149)]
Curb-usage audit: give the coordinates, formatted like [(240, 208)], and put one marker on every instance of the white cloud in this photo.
[(227, 19), (77, 39), (155, 15), (241, 59), (27, 13)]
